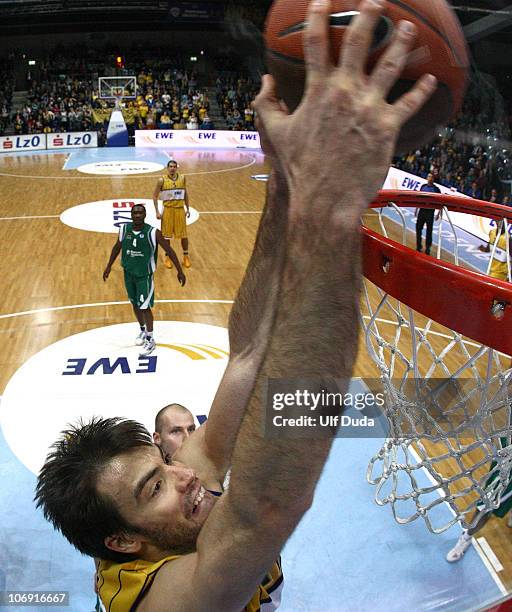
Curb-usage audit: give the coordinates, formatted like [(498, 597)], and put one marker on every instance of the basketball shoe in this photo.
[(457, 552), (148, 347), (141, 337)]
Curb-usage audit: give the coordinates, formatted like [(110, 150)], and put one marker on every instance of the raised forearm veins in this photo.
[(315, 338), (256, 299)]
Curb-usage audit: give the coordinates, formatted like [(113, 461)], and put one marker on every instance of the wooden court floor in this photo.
[(44, 264)]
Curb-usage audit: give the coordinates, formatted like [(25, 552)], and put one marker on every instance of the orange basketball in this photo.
[(440, 49)]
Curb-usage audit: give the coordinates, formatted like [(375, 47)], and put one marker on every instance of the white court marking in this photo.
[(69, 156), (30, 217), (97, 304), (210, 212), (231, 212), (489, 552), (122, 176)]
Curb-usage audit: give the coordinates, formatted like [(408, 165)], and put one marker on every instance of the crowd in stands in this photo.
[(472, 154), (63, 95), (235, 94), (170, 99), (6, 91)]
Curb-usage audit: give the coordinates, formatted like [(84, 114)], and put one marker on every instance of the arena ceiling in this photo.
[(39, 16)]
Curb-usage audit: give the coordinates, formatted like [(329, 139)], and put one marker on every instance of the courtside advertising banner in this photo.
[(197, 139), (29, 142), (72, 140), (41, 142)]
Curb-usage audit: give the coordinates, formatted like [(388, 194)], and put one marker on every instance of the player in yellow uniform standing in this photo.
[(499, 265), (172, 189)]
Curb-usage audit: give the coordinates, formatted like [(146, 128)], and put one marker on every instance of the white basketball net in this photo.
[(448, 406)]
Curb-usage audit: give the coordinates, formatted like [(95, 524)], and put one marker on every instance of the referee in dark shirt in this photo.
[(426, 216)]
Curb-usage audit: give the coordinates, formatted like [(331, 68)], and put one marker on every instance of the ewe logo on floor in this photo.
[(108, 215), (120, 168), (99, 372)]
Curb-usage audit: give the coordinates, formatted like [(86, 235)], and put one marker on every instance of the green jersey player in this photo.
[(139, 242)]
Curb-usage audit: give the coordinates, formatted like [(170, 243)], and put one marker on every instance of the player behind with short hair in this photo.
[(173, 425)]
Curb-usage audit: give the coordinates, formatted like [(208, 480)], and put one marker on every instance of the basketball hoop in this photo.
[(441, 337), (117, 88)]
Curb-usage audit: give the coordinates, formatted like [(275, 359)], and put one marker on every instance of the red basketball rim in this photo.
[(459, 299)]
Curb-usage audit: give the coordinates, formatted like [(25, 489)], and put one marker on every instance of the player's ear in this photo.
[(124, 543), (156, 438)]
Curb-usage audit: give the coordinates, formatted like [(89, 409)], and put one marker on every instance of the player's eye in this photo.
[(156, 488)]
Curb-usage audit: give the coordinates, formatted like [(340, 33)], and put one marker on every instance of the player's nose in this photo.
[(184, 477)]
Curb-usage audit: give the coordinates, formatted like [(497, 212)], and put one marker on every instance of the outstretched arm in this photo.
[(187, 203), (116, 249), (313, 334), (171, 253), (211, 446), (156, 193), (249, 324)]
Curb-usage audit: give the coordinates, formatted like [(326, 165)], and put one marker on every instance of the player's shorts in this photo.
[(174, 222), (140, 289)]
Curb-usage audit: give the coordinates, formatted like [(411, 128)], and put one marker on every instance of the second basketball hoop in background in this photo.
[(117, 89)]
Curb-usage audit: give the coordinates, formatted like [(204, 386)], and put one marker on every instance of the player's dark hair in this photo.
[(160, 414), (66, 488), (139, 206), (172, 161)]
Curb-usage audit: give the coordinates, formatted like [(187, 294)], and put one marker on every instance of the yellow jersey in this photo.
[(499, 266), (173, 192), (121, 586)]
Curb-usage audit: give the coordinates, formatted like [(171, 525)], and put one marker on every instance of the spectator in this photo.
[(192, 123), (474, 192), (207, 124), (494, 196), (165, 121)]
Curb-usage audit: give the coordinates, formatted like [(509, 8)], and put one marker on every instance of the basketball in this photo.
[(440, 49)]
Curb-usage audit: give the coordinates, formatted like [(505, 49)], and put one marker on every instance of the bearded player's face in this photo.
[(166, 504)]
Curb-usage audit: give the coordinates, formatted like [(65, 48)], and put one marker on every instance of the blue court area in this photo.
[(347, 554), (80, 157), (467, 244)]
